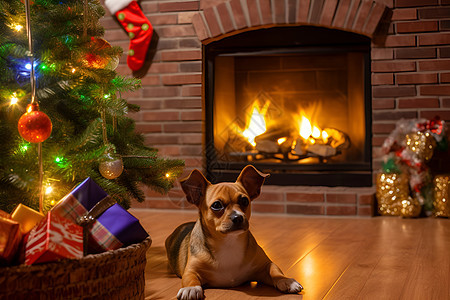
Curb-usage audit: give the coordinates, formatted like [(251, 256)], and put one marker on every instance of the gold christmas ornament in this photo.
[(111, 166), (441, 196), (393, 196), (422, 144)]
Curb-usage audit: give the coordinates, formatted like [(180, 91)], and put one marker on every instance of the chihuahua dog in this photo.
[(218, 249)]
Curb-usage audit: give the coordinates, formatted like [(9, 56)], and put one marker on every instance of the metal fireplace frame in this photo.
[(289, 39)]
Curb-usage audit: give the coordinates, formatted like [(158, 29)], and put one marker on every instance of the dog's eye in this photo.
[(217, 205), (243, 201)]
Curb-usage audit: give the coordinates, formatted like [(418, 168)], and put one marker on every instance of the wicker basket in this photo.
[(117, 274)]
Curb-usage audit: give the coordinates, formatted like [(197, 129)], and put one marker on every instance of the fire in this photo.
[(256, 124), (310, 132)]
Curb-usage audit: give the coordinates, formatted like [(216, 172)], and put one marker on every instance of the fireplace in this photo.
[(294, 102)]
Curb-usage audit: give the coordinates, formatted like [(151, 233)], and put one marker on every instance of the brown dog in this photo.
[(218, 250)]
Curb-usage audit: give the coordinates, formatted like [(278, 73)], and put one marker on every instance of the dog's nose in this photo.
[(237, 218)]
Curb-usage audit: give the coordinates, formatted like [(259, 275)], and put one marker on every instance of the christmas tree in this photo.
[(77, 87)]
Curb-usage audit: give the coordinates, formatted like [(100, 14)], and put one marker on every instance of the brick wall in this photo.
[(410, 78)]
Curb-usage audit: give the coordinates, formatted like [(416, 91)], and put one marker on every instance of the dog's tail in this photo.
[(176, 254)]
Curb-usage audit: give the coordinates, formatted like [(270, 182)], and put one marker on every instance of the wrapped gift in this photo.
[(10, 237), (114, 228), (441, 202), (54, 238), (27, 217)]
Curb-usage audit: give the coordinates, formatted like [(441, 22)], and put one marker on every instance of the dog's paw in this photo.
[(191, 293), (289, 285)]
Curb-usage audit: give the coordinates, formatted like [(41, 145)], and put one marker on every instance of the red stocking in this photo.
[(140, 31)]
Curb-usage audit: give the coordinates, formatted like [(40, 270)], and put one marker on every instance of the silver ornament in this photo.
[(111, 166)]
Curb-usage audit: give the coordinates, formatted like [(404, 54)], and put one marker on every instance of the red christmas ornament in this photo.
[(93, 60), (34, 125)]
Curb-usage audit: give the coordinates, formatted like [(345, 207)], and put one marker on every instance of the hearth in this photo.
[(293, 101)]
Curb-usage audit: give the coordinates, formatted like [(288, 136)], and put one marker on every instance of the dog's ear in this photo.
[(194, 186), (252, 180)]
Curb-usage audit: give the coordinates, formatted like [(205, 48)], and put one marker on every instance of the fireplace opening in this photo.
[(292, 101)]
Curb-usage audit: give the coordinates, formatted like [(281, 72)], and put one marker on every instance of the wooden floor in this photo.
[(333, 258)]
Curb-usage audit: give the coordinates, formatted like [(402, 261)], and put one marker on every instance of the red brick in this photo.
[(445, 77), (178, 6), (195, 90), (191, 115), (186, 17), (443, 114), (150, 80), (168, 150), (444, 25), (160, 91), (419, 26), (279, 12), (164, 19), (414, 3), (253, 13), (177, 31), (328, 10), (341, 210), (183, 103), (414, 53), (444, 52), (434, 13), (304, 197), (416, 78), (367, 211), (404, 14), (363, 14), (400, 41), (163, 68), (368, 199), (382, 53), (434, 39), (383, 103), (434, 65), (191, 67), (191, 138), (212, 22), (147, 128), (382, 78), (341, 198), (305, 209), (267, 208), (382, 128), (446, 102), (161, 116), (200, 27), (378, 140), (270, 196), (341, 12), (352, 14), (393, 66), (161, 139), (146, 104), (266, 12), (149, 7), (435, 90), (183, 127), (181, 79), (374, 18), (303, 10), (238, 14), (191, 150), (181, 55), (419, 103), (225, 17), (393, 115)]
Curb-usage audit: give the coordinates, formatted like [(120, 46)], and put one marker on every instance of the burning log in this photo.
[(267, 146), (273, 134), (322, 150)]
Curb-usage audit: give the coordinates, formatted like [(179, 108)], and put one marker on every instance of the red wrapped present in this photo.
[(54, 238), (10, 238)]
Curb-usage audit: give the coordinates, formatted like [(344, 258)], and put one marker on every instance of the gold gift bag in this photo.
[(441, 196), (393, 196)]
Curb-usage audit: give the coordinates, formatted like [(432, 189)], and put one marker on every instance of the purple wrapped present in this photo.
[(113, 229)]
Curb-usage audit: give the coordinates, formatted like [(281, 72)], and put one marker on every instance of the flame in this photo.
[(310, 132), (281, 140), (256, 124)]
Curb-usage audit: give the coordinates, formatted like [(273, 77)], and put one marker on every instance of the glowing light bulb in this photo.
[(28, 66), (17, 27), (106, 96), (73, 70), (167, 175), (48, 190), (14, 99)]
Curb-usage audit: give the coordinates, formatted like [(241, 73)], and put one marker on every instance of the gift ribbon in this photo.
[(89, 218)]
